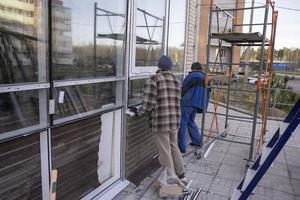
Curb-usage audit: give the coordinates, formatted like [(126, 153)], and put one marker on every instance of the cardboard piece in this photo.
[(53, 184), (170, 191)]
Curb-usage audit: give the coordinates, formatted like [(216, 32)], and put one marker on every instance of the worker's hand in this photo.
[(134, 110)]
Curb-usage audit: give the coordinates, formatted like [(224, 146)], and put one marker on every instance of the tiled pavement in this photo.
[(224, 167)]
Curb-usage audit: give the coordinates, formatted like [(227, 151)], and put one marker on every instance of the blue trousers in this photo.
[(188, 125)]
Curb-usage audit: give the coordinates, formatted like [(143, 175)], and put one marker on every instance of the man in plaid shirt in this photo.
[(161, 101)]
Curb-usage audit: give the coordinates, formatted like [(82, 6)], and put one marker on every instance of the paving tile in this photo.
[(200, 180), (263, 192), (279, 183), (234, 160), (203, 166), (278, 170), (239, 150), (223, 186), (278, 195), (295, 171), (296, 186), (215, 157), (213, 196), (231, 172), (293, 156)]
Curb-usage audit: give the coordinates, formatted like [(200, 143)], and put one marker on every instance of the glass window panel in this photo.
[(177, 33), (75, 156), (88, 38), (20, 168), (135, 92), (150, 17), (22, 41), (72, 100), (22, 109), (86, 154)]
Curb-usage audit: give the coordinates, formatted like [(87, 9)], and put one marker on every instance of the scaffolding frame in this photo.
[(240, 39)]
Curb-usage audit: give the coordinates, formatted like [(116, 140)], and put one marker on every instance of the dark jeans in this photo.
[(188, 125)]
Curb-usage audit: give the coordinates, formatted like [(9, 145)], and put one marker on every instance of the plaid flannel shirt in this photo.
[(161, 99)]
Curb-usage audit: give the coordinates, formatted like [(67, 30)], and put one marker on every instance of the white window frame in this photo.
[(145, 71)]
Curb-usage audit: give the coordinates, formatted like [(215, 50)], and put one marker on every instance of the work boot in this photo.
[(183, 179)]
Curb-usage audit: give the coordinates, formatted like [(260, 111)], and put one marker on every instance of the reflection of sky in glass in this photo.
[(177, 23), (83, 19)]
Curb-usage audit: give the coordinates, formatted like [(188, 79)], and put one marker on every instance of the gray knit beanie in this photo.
[(165, 62)]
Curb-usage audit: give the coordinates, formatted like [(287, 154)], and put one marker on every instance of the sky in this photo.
[(288, 25)]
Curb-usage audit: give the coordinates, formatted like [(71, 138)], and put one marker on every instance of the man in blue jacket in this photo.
[(192, 102)]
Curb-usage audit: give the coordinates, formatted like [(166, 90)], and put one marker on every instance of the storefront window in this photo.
[(88, 38), (177, 33), (150, 20), (22, 41)]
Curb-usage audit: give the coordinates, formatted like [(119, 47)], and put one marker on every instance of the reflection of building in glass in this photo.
[(18, 16), (62, 43), (18, 36)]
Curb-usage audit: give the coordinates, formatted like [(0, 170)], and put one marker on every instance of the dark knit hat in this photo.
[(165, 62), (196, 66)]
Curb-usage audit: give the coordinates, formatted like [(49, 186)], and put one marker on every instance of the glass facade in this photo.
[(88, 38), (80, 105)]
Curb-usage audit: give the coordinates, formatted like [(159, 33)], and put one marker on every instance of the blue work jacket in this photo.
[(192, 91)]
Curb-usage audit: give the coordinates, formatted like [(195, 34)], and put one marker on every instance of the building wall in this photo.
[(192, 16)]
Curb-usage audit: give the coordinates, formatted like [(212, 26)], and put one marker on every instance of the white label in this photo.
[(51, 106), (61, 97)]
